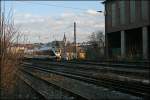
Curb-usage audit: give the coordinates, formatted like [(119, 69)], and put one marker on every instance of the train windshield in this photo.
[(52, 53)]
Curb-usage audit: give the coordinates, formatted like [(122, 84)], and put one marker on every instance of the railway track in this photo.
[(46, 90), (132, 71), (135, 89), (134, 65)]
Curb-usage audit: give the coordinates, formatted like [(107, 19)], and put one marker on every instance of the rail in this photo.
[(136, 89)]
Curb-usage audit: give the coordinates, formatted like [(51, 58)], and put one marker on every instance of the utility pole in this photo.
[(0, 39), (0, 17), (75, 46), (3, 24)]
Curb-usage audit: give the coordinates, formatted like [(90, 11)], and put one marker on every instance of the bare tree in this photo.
[(96, 50), (9, 61)]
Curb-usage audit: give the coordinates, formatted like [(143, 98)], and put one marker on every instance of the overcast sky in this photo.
[(45, 21)]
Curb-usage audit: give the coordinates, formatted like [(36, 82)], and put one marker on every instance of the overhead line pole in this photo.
[(0, 25), (0, 39), (1, 29), (3, 25), (0, 18)]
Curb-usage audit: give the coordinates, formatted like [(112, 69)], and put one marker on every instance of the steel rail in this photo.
[(104, 64), (121, 71), (134, 89)]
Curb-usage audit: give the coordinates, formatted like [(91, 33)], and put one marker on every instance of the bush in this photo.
[(8, 61)]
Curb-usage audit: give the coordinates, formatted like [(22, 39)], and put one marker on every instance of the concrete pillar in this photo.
[(123, 44), (145, 42)]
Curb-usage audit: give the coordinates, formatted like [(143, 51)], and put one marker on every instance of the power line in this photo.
[(59, 6), (54, 5)]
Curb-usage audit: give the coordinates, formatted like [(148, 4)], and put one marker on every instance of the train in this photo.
[(44, 53)]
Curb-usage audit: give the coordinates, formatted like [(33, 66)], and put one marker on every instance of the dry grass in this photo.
[(9, 62), (8, 79)]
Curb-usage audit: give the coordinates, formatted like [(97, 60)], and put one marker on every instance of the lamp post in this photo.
[(106, 43), (100, 11)]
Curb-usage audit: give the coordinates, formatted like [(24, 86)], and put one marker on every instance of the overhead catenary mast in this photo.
[(0, 17)]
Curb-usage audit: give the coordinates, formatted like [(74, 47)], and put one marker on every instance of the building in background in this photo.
[(127, 28), (67, 50)]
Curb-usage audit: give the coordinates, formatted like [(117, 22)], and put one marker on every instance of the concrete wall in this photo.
[(140, 22)]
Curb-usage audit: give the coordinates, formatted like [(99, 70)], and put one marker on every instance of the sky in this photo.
[(46, 21)]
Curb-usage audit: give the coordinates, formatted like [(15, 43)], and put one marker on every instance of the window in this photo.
[(132, 11), (144, 6), (122, 12), (113, 11)]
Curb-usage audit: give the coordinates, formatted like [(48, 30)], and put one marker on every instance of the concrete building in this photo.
[(127, 28)]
